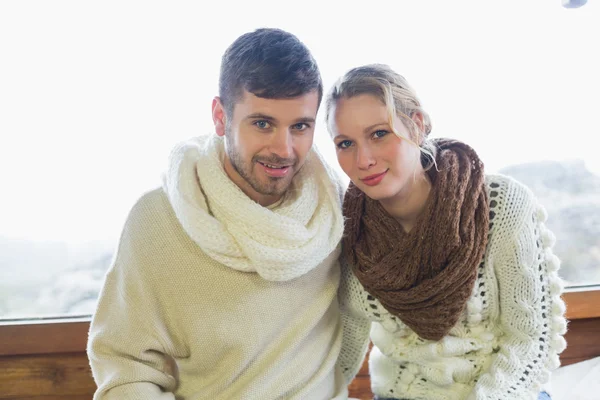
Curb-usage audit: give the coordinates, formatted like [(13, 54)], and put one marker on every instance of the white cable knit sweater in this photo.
[(509, 337), (195, 305)]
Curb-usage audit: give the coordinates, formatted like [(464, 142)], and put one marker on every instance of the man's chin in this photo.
[(278, 189)]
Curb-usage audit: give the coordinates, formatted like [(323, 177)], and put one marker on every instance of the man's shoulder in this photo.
[(150, 217), (152, 200), (151, 205)]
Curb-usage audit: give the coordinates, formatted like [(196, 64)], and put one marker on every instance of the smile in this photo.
[(274, 166), (373, 180), (275, 171)]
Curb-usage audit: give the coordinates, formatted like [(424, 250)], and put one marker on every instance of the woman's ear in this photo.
[(417, 118), (420, 134)]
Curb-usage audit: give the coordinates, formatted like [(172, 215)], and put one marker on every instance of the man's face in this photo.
[(266, 142)]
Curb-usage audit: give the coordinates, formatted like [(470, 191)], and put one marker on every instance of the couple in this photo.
[(246, 276)]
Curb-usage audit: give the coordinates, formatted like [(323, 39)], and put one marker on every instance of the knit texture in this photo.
[(183, 315), (280, 244), (425, 276), (509, 336)]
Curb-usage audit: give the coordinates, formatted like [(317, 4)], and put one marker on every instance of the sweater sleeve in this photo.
[(355, 325), (126, 344), (531, 310)]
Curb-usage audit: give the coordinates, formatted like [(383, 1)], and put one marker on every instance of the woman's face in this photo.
[(378, 162)]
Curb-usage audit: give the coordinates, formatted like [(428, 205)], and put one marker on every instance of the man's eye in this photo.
[(262, 124), (300, 126)]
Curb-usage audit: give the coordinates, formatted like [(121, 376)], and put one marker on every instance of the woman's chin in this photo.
[(378, 193)]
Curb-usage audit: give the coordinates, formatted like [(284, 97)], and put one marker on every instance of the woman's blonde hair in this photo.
[(393, 90)]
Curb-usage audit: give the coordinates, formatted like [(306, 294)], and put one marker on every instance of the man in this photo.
[(225, 280)]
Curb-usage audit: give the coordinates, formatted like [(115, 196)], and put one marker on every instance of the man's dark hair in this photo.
[(269, 63)]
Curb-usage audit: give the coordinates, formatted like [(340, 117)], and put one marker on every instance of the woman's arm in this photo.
[(531, 310), (355, 325)]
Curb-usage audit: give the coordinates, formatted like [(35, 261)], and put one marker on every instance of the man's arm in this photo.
[(127, 339)]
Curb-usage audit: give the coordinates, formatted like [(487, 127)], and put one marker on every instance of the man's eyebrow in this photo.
[(261, 116), (272, 119), (306, 119)]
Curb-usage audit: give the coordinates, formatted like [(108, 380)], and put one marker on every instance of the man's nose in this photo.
[(282, 144)]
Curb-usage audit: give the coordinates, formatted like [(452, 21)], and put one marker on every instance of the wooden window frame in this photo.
[(69, 334), (44, 336)]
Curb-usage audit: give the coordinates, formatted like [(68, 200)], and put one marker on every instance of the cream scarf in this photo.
[(279, 244)]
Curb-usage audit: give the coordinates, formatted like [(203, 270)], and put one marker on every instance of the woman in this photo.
[(453, 267)]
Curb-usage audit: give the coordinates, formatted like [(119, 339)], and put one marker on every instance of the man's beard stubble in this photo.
[(275, 186)]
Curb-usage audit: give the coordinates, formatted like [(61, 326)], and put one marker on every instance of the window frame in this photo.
[(70, 334), (44, 336)]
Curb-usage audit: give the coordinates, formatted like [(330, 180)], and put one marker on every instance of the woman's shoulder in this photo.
[(509, 193), (504, 185), (512, 204)]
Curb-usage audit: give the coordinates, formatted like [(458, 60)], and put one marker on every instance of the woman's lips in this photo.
[(373, 180)]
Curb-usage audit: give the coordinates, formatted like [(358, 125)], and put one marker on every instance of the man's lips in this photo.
[(269, 165), (274, 170)]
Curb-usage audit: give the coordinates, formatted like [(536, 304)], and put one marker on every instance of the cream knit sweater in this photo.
[(510, 334), (172, 322)]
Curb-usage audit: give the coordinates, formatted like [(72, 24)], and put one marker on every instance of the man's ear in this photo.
[(218, 116)]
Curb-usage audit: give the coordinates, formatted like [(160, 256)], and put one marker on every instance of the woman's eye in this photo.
[(344, 144), (380, 133), (262, 124)]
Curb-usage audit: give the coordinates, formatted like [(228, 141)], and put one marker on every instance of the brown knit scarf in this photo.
[(424, 277)]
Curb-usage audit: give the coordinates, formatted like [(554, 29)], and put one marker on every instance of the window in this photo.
[(94, 95)]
